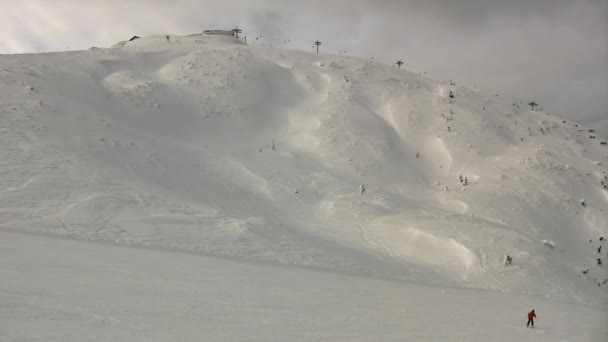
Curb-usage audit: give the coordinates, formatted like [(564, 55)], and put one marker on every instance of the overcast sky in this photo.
[(553, 51)]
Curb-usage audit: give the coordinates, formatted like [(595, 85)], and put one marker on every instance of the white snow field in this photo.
[(112, 293), (203, 189)]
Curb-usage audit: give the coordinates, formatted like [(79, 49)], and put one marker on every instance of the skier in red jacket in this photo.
[(531, 316)]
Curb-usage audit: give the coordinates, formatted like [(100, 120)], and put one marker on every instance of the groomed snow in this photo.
[(61, 290), (207, 148)]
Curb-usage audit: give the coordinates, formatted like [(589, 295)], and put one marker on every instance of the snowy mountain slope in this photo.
[(207, 145)]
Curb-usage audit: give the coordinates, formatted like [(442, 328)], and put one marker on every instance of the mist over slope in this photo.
[(210, 146)]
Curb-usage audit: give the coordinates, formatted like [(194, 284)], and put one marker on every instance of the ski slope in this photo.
[(205, 147), (111, 293)]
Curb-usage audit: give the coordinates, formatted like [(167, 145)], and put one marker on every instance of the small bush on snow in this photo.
[(604, 182)]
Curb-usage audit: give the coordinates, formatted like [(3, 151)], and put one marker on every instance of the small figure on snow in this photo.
[(451, 95), (508, 260), (599, 249), (362, 189), (601, 238), (585, 271), (167, 39), (599, 261), (531, 316)]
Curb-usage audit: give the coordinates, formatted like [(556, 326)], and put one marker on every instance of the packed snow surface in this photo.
[(316, 192), (111, 293)]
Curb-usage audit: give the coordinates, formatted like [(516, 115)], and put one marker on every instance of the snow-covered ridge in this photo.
[(208, 145)]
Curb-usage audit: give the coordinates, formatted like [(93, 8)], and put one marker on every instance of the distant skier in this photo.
[(508, 260), (531, 316)]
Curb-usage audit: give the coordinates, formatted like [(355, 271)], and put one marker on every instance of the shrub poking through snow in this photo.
[(463, 181)]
